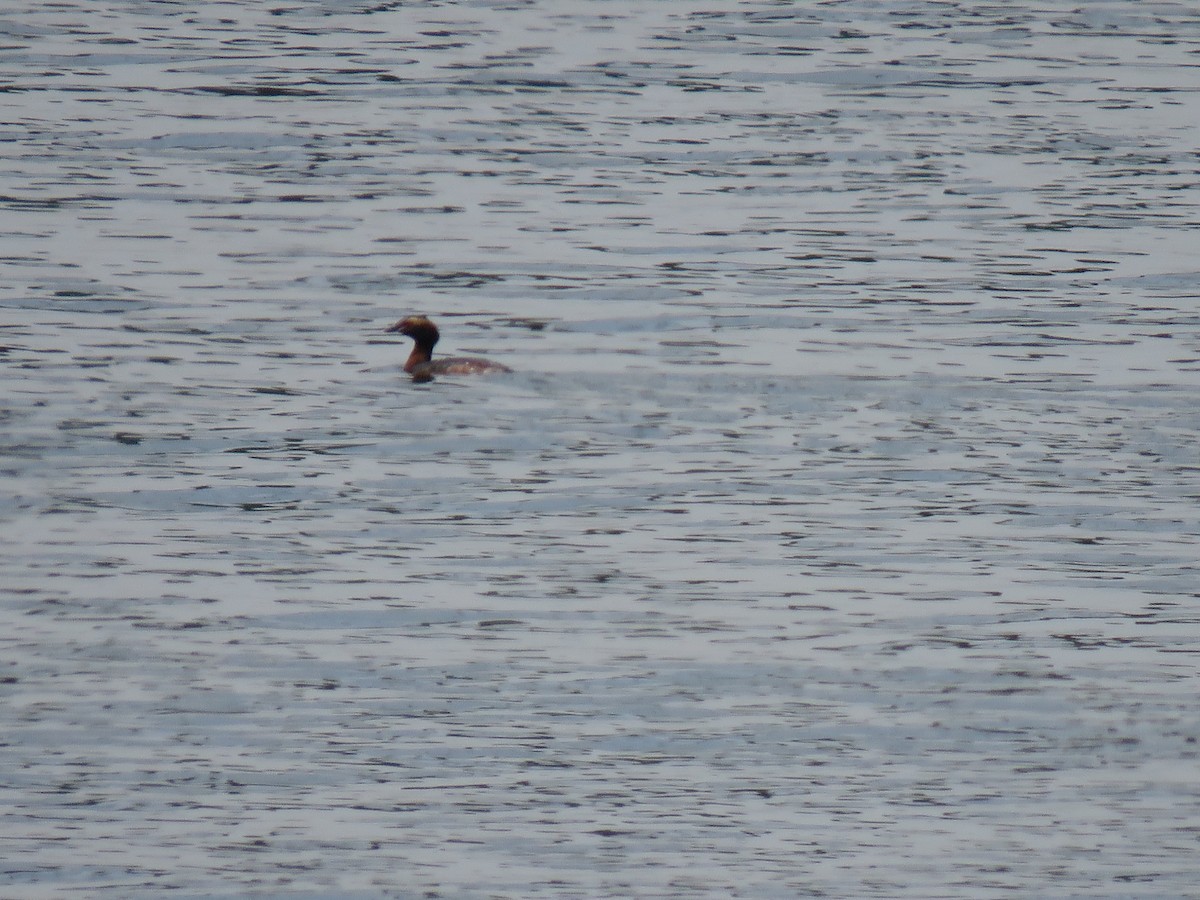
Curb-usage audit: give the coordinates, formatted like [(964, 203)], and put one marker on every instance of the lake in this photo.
[(836, 534)]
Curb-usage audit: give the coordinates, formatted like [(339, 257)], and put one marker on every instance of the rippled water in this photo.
[(836, 536)]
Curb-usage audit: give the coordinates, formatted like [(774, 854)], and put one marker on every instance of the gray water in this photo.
[(836, 535)]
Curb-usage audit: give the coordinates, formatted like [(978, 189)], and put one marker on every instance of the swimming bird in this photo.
[(423, 367)]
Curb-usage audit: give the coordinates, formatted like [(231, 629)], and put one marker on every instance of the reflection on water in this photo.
[(835, 535)]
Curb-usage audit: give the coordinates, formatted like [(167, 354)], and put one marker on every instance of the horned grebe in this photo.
[(423, 367)]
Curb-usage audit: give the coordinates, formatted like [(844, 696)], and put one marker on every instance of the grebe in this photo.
[(423, 367)]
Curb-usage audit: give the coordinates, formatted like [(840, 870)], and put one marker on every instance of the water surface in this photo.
[(836, 535)]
